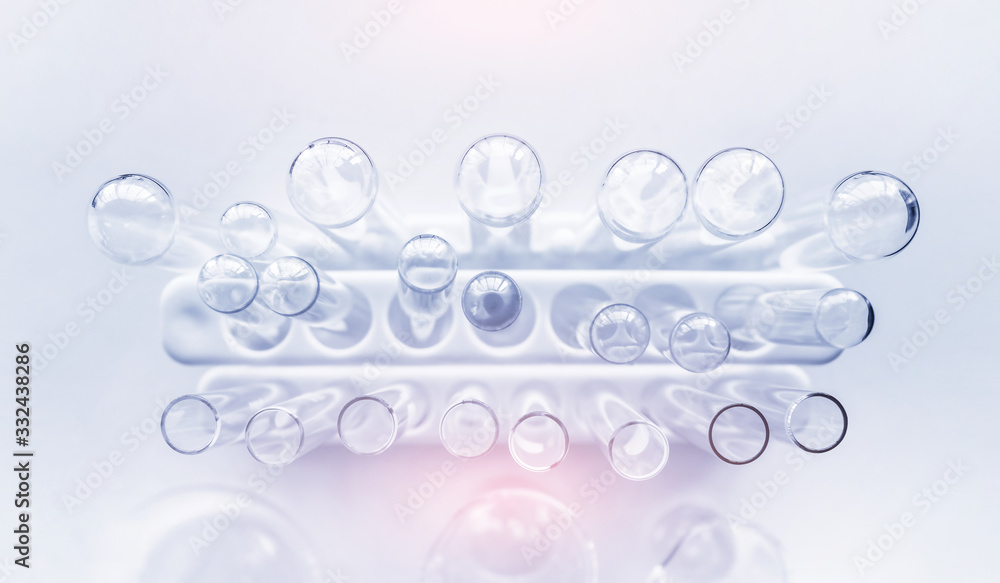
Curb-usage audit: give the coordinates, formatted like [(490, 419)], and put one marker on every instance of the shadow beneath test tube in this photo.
[(352, 329)]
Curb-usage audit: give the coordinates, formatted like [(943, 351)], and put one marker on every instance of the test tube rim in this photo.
[(531, 415), (715, 230), (410, 284), (519, 217), (392, 413), (656, 430), (375, 181), (256, 289), (791, 411), (517, 288), (493, 415), (916, 207), (871, 317), (298, 423), (687, 317), (315, 275), (618, 305), (173, 205), (767, 433), (274, 227), (625, 236), (211, 407)]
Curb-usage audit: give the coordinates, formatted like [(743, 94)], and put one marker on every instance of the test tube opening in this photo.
[(190, 424), (367, 425), (227, 284), (133, 219), (499, 181), (332, 183), (289, 286), (643, 197), (638, 450), (729, 430), (275, 436), (738, 193), (469, 429), (428, 264), (844, 318), (538, 441), (872, 215), (248, 230), (816, 422), (699, 342), (619, 334)]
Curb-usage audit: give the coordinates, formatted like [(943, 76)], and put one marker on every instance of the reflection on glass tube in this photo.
[(469, 427), (702, 546), (872, 215), (248, 230), (491, 301), (499, 181), (370, 424), (839, 318), (737, 194), (814, 422), (619, 334), (695, 341), (332, 183), (229, 284), (427, 268), (281, 433), (643, 197), (193, 423), (512, 536), (572, 313), (737, 433), (291, 287), (133, 219), (538, 439), (636, 448)]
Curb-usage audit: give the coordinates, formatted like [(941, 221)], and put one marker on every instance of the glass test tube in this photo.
[(133, 219), (538, 440), (619, 334), (695, 341), (332, 183), (286, 431), (427, 267), (229, 285), (499, 181), (737, 433), (291, 287), (193, 423), (737, 194), (469, 426), (491, 301), (248, 230), (643, 197), (370, 424), (812, 421), (636, 448), (838, 318)]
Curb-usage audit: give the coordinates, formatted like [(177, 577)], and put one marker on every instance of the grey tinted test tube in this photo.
[(469, 426), (635, 447), (838, 318), (229, 285), (737, 433), (370, 424), (281, 433), (291, 287), (812, 421), (191, 424), (538, 440)]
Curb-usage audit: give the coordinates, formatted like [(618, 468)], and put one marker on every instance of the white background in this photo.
[(891, 93)]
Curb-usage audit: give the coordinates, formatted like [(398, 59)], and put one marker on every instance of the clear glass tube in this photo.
[(286, 431), (229, 285), (491, 301), (737, 433), (872, 215), (469, 426), (635, 447), (133, 219), (332, 183), (812, 421), (695, 341), (370, 424), (619, 334), (738, 194), (538, 440), (291, 287), (499, 181), (838, 318), (248, 230), (643, 197), (193, 423), (427, 267)]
